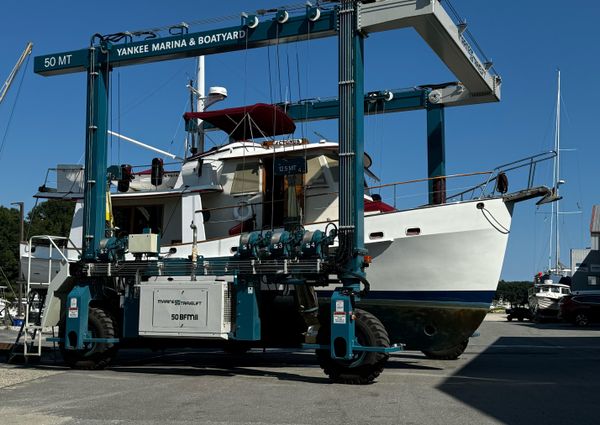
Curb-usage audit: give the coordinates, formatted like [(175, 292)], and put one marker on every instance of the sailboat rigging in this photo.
[(545, 295)]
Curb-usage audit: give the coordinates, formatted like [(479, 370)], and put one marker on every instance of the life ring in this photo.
[(243, 211)]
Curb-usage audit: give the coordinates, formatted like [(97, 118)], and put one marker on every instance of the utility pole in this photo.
[(21, 237)]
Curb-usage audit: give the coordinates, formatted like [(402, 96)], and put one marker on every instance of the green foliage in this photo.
[(513, 292), (9, 244), (50, 218)]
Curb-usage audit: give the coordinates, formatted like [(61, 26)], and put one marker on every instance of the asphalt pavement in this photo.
[(513, 373)]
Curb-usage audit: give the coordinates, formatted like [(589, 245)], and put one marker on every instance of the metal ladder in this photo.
[(40, 295)]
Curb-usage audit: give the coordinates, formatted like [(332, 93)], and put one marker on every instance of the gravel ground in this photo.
[(11, 376)]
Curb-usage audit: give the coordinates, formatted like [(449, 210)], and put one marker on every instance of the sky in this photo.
[(42, 119)]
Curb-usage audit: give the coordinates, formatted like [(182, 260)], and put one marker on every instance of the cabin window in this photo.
[(134, 219), (315, 174), (334, 168), (554, 289), (246, 179), (564, 291)]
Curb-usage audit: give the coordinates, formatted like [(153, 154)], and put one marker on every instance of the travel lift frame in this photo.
[(305, 261)]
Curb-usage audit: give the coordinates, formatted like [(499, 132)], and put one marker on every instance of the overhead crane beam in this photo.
[(374, 103), (239, 37), (427, 17), (439, 31), (379, 102)]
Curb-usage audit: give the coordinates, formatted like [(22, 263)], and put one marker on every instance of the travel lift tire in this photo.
[(451, 353), (366, 366), (96, 355)]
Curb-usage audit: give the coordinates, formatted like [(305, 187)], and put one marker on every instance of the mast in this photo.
[(200, 101), (554, 222), (557, 136)]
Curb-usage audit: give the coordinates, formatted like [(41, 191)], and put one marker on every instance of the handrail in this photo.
[(529, 161), (268, 202), (449, 176), (51, 240)]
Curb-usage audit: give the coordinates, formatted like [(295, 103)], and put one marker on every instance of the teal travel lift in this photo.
[(355, 346)]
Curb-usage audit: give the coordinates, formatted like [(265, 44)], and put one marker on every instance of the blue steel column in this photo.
[(351, 145), (94, 207), (436, 153)]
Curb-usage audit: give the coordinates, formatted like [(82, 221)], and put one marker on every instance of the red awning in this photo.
[(248, 122)]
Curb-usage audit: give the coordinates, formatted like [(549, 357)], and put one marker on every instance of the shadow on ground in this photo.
[(542, 380), (281, 364)]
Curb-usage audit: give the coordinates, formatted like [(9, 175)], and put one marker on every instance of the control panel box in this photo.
[(143, 243), (185, 309)]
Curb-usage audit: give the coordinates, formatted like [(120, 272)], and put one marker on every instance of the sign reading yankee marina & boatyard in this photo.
[(188, 45), (177, 44)]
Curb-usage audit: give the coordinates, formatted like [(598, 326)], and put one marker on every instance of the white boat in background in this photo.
[(435, 268), (544, 299)]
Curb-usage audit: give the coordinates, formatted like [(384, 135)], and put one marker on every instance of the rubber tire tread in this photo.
[(370, 332), (451, 353), (103, 353)]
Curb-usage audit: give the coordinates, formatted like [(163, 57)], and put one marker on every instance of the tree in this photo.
[(513, 292), (52, 217), (9, 244)]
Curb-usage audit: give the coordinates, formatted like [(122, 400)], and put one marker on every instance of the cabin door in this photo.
[(284, 196)]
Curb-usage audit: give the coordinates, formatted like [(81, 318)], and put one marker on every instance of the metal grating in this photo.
[(227, 305)]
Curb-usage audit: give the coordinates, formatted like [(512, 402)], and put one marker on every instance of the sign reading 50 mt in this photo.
[(60, 60)]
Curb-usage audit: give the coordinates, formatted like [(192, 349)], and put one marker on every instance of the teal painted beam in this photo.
[(374, 103), (358, 118), (351, 144), (95, 179), (240, 37), (436, 153)]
